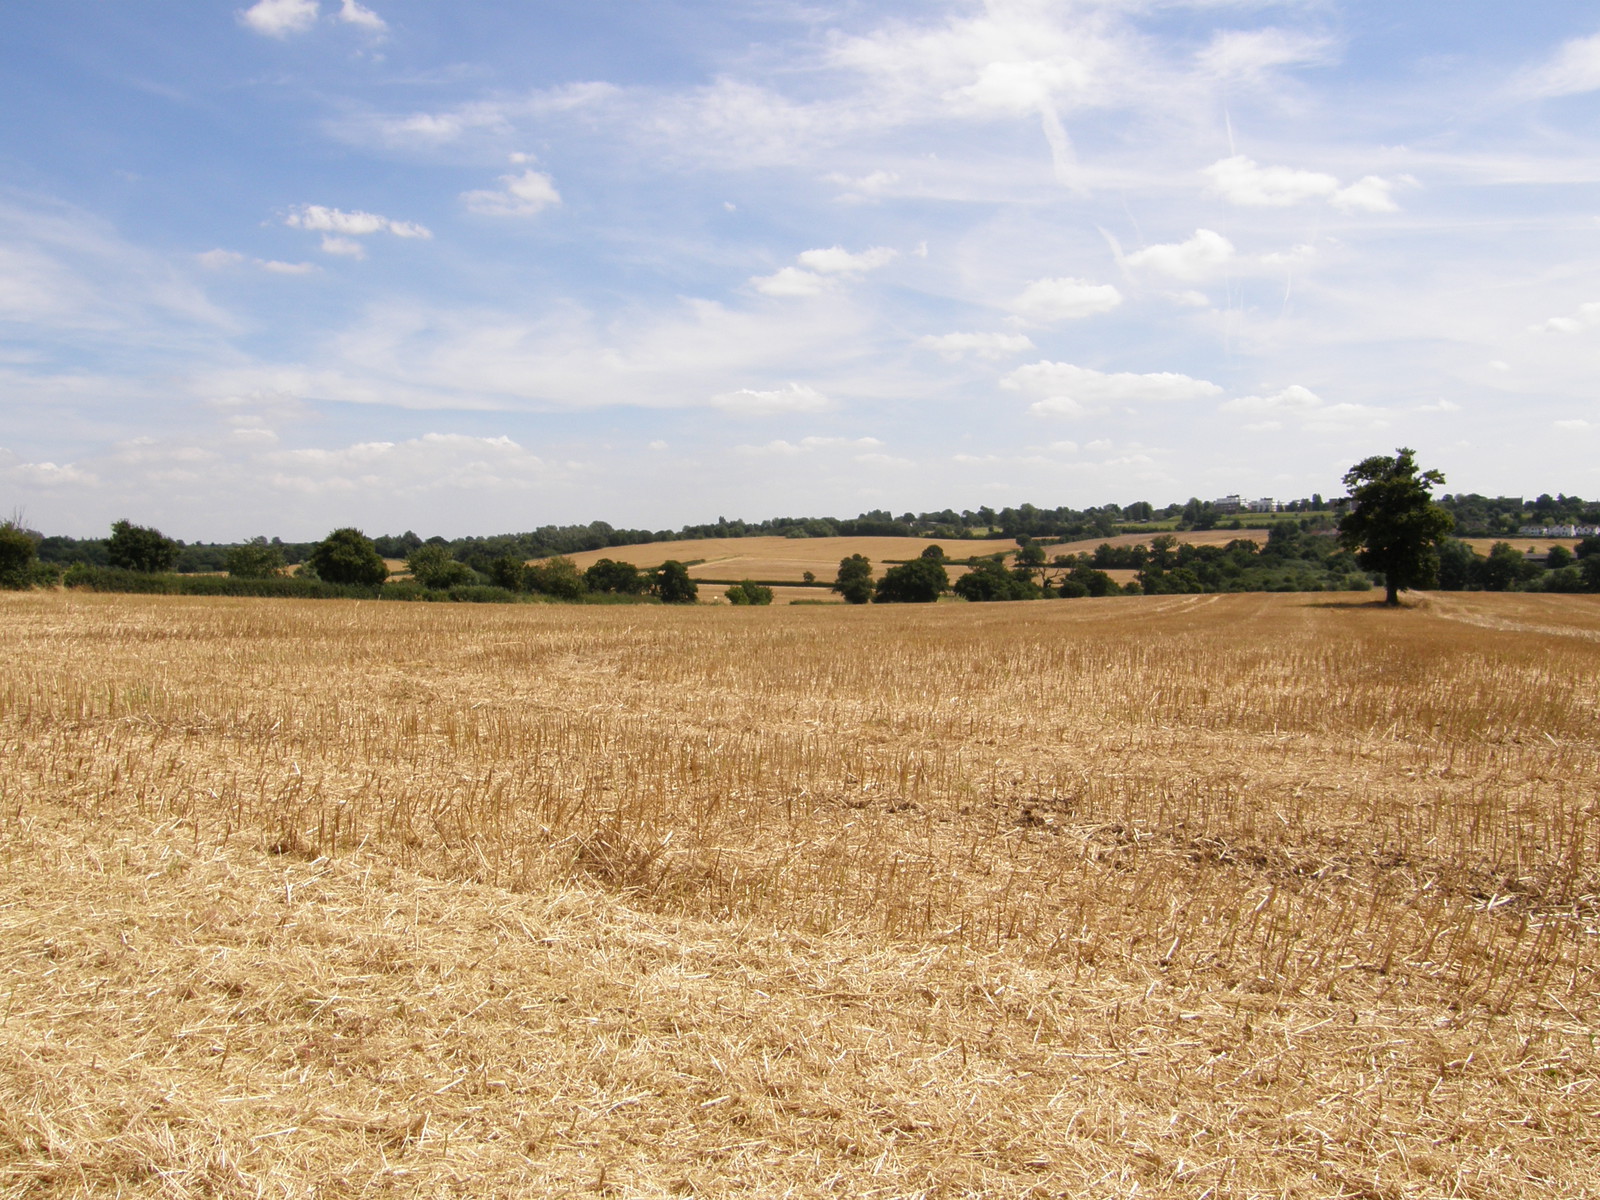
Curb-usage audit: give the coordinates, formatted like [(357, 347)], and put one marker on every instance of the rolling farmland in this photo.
[(1203, 895)]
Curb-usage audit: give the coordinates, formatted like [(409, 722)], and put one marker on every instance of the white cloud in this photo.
[(1292, 399), (343, 246), (808, 445), (47, 475), (1251, 54), (352, 13), (1587, 317), (871, 186), (357, 224), (1196, 258), (838, 261), (1065, 299), (217, 260), (1240, 180), (220, 260), (523, 195), (984, 345), (1576, 425), (1306, 406), (280, 18), (431, 463), (820, 269), (1574, 69), (1369, 194), (274, 267), (791, 281), (791, 398), (1071, 391)]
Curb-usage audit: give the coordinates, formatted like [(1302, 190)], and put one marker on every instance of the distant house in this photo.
[(1238, 504), (1558, 531)]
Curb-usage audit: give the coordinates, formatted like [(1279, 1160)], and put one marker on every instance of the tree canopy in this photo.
[(854, 582), (17, 552), (1393, 525), (672, 584), (257, 559), (920, 581), (347, 556), (138, 548)]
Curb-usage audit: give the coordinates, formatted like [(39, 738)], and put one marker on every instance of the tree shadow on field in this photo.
[(1368, 605)]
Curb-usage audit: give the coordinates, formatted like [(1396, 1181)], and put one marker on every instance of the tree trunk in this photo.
[(1391, 593)]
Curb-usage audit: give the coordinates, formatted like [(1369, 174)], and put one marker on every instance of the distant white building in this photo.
[(1238, 504), (1558, 531)]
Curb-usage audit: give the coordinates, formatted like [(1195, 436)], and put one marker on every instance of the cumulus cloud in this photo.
[(280, 18), (357, 224), (524, 195), (1587, 317), (984, 345), (791, 281), (1292, 399), (1196, 258), (352, 13), (1240, 180), (1369, 194), (791, 398), (343, 246), (1065, 299), (1072, 391), (275, 267), (1305, 406), (819, 270), (47, 474), (1574, 425), (836, 260)]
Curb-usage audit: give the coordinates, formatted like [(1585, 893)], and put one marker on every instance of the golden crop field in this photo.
[(778, 558), (1204, 896), (781, 558)]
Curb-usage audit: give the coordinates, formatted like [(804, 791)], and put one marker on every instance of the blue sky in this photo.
[(476, 267)]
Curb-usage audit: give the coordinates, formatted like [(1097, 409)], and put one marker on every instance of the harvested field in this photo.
[(1182, 896), (788, 559), (1539, 546), (778, 558)]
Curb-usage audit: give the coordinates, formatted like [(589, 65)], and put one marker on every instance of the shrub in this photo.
[(138, 548), (854, 582), (558, 577), (672, 584), (920, 581), (17, 554), (254, 560), (348, 556), (747, 591), (432, 566)]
